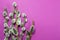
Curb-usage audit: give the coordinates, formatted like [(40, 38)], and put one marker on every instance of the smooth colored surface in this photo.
[(46, 14)]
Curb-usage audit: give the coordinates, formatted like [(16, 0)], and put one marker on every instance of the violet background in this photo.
[(45, 13)]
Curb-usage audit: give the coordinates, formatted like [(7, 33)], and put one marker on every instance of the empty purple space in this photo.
[(45, 13)]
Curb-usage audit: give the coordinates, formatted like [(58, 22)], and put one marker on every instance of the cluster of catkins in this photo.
[(12, 31)]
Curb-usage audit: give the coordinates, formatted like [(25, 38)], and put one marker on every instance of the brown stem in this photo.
[(17, 29)]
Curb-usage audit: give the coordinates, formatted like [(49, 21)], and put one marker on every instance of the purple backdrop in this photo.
[(46, 14)]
